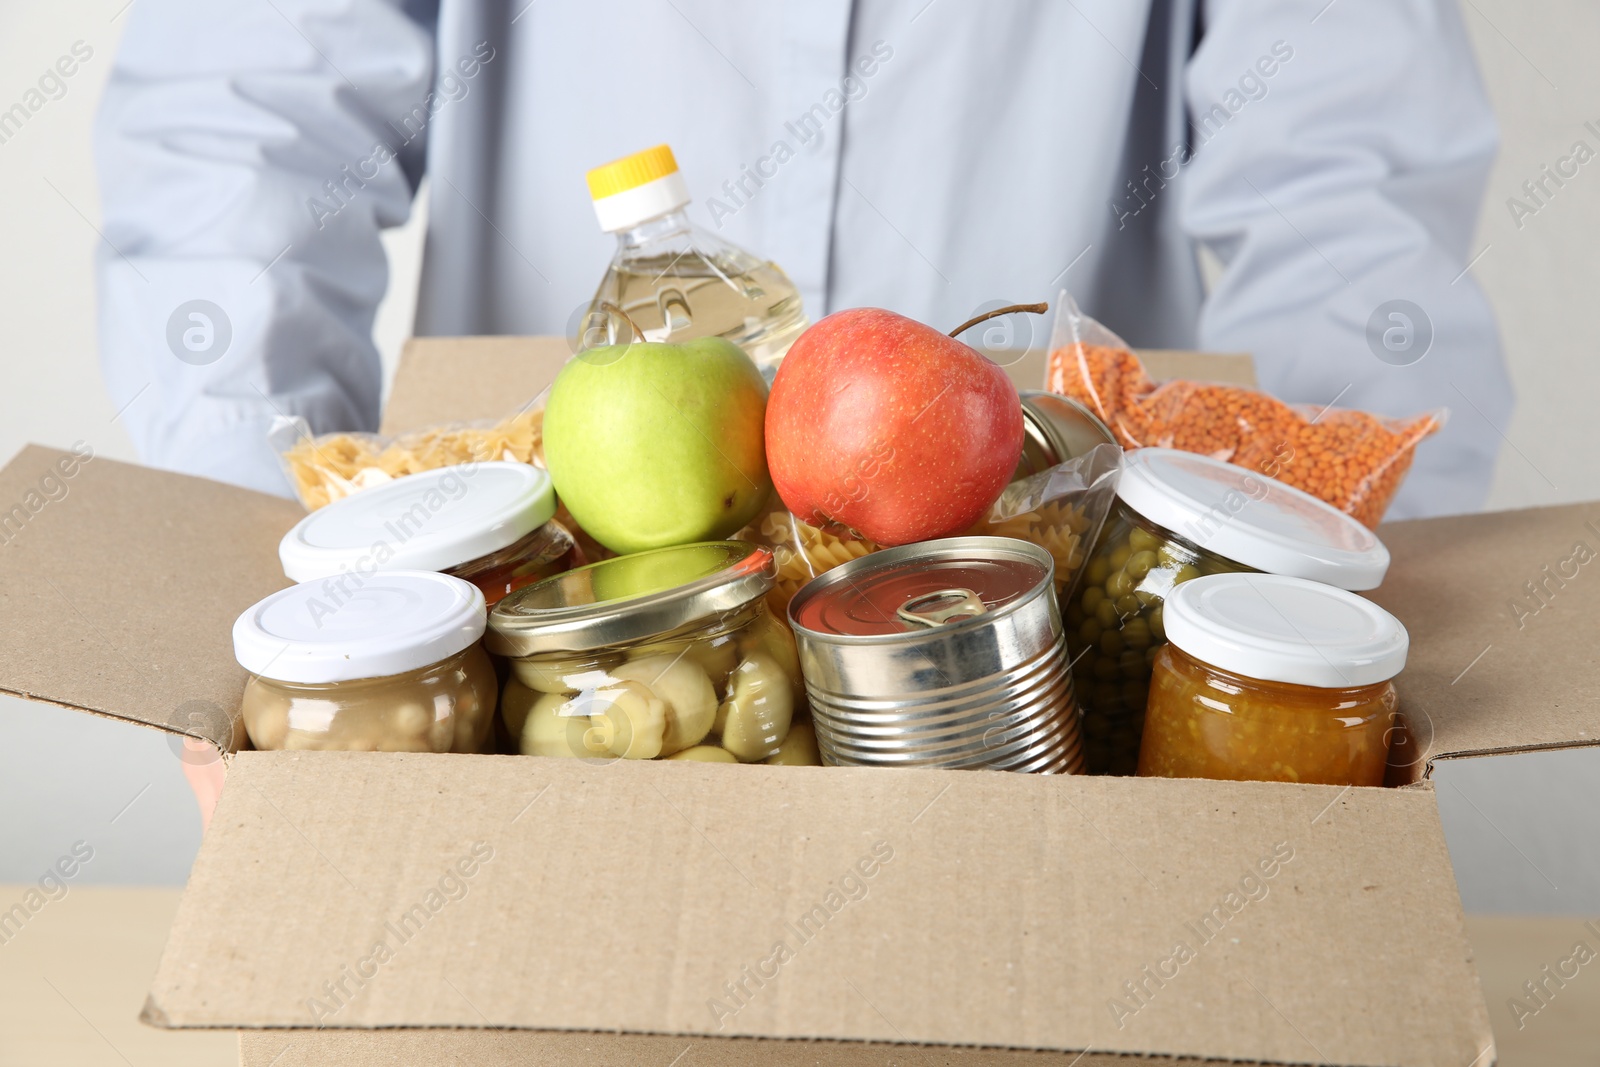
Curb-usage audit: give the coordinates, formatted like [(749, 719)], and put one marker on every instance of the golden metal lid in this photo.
[(1055, 429), (630, 598)]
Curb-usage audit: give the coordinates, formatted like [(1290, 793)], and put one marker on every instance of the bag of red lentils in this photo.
[(1351, 459)]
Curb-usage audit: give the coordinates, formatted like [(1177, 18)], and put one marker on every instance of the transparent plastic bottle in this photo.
[(676, 281)]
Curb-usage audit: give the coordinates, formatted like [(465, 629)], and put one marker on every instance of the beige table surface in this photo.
[(73, 978)]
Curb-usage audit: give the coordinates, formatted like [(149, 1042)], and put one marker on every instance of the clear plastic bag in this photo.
[(331, 466), (334, 465), (1061, 510), (1351, 459), (801, 551)]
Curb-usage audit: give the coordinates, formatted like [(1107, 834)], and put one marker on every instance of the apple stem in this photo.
[(638, 334), (1032, 309)]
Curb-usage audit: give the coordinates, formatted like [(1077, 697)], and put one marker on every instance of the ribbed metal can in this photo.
[(940, 654)]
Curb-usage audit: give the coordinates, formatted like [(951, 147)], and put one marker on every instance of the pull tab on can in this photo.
[(953, 605)]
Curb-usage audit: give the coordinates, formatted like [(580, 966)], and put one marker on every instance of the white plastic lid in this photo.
[(428, 522), (349, 627), (1250, 518), (625, 210), (1278, 629)]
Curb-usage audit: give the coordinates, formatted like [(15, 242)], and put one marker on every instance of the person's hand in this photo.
[(204, 768)]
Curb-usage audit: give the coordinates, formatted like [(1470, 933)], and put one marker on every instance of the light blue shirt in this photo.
[(927, 157)]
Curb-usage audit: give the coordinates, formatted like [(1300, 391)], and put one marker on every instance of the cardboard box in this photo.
[(391, 908)]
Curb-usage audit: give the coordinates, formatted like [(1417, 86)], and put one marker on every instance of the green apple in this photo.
[(652, 445)]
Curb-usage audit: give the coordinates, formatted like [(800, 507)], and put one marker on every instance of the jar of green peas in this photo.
[(1179, 515)]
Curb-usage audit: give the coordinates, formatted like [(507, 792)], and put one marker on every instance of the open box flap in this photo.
[(939, 907), (547, 1048), (464, 379), (1505, 629), (119, 595)]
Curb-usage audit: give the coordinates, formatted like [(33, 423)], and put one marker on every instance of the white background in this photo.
[(1522, 829)]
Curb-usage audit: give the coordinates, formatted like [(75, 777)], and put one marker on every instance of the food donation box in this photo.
[(438, 907)]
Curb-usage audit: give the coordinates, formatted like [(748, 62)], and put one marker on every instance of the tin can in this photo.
[(1056, 429), (941, 654)]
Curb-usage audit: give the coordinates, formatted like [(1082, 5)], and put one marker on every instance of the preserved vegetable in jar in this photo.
[(394, 665), (1179, 516), (490, 523), (1273, 679), (669, 653)]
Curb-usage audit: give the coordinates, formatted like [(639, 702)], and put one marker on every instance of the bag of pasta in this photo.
[(334, 465), (331, 466), (1350, 459), (1059, 509), (801, 551)]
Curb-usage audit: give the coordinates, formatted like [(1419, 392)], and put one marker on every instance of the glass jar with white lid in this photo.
[(489, 522), (391, 663), (1178, 516), (1273, 679)]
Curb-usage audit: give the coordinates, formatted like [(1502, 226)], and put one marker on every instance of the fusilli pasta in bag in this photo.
[(331, 466)]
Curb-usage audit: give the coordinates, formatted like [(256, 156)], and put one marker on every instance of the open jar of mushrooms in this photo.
[(666, 654)]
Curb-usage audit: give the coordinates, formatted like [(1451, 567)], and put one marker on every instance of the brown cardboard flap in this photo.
[(118, 597), (1165, 364), (530, 1048), (929, 907), (1505, 629), (463, 379)]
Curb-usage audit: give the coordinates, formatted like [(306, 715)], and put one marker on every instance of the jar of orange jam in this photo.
[(1272, 678)]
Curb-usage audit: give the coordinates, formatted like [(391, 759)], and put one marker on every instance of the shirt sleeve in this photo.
[(248, 154), (1339, 158)]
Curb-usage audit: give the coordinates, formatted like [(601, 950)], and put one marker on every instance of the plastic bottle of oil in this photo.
[(676, 281)]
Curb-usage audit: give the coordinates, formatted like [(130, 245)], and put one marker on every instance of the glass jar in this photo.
[(392, 665), (1273, 679), (1179, 516), (669, 653), (546, 550), (490, 523)]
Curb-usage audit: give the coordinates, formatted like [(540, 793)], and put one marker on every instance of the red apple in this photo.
[(891, 428)]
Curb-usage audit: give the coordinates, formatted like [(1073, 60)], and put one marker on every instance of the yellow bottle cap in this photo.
[(630, 172)]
